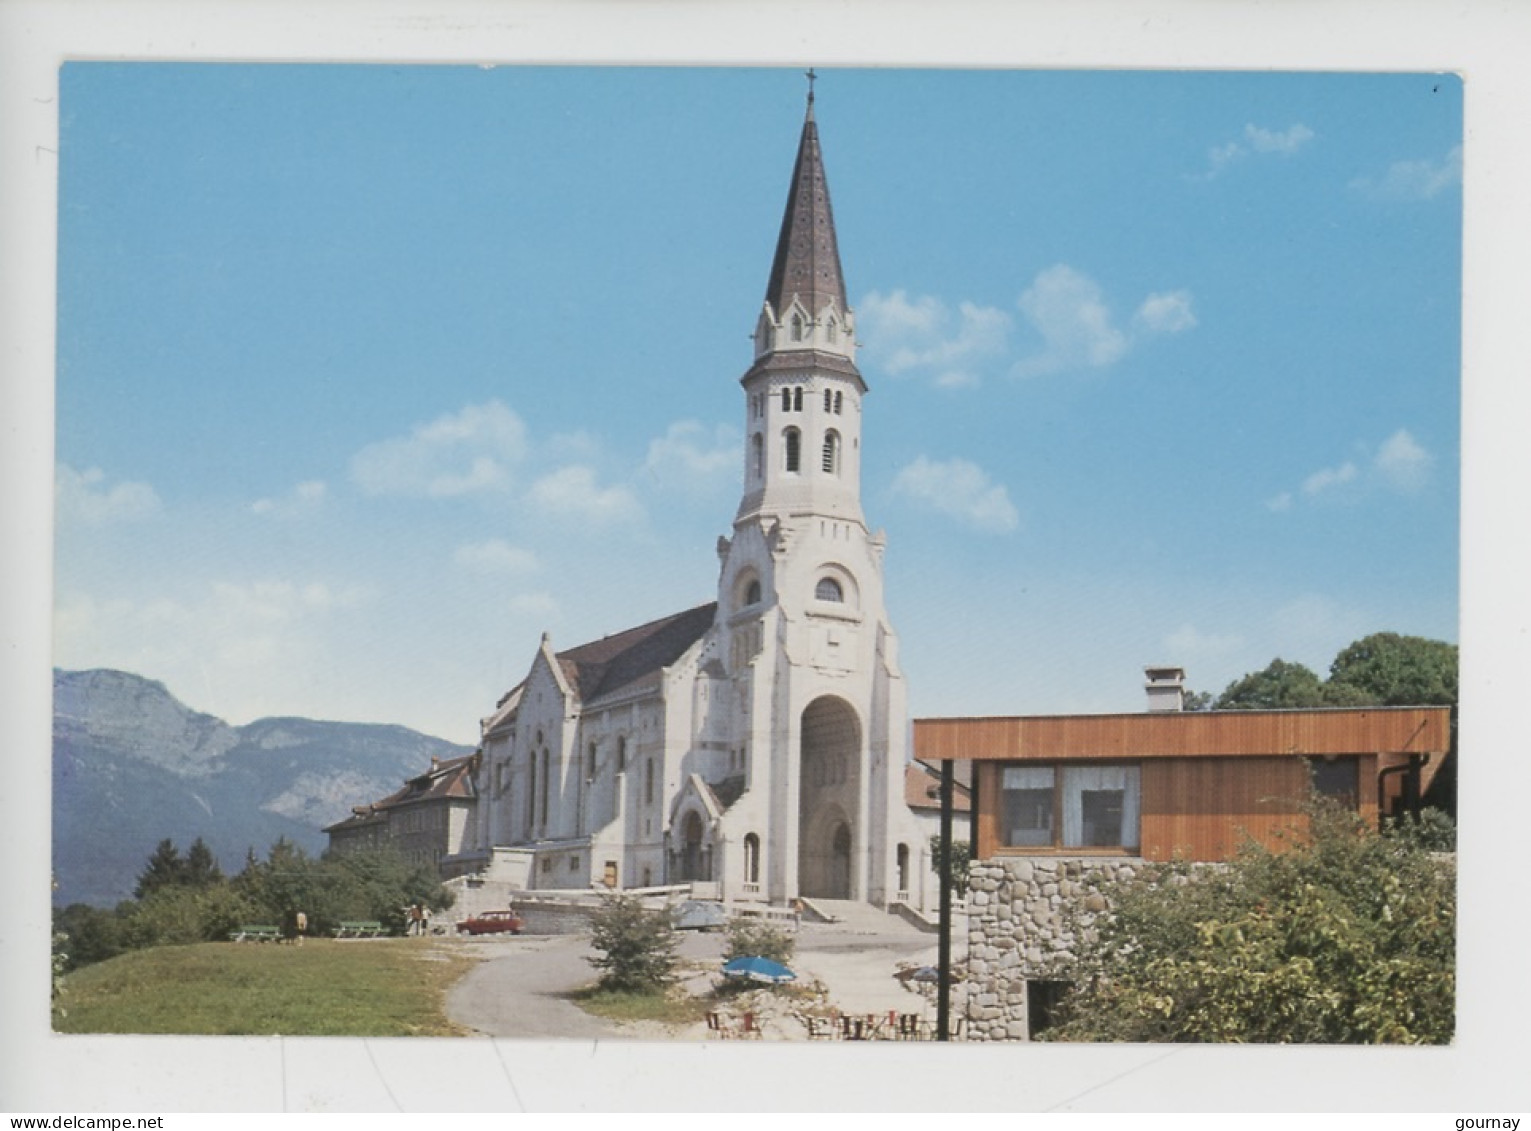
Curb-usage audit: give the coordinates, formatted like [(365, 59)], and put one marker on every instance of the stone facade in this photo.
[(1021, 925)]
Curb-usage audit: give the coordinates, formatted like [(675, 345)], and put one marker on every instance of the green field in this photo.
[(325, 988)]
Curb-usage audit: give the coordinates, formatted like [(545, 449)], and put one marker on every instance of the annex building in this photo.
[(754, 745)]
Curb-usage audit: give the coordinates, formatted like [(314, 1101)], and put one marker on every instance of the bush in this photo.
[(1346, 938), (962, 857), (748, 938), (637, 946)]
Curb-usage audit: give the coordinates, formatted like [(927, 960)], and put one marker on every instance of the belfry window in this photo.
[(792, 440), (752, 594), (797, 327), (828, 589), (832, 452), (786, 400), (797, 399), (757, 455), (829, 400), (837, 403)]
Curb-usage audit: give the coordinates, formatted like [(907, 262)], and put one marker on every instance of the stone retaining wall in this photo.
[(1019, 923)]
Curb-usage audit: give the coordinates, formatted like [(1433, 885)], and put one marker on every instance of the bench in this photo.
[(256, 932), (360, 929)]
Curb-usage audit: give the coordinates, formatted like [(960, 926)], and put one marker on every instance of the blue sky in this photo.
[(368, 375)]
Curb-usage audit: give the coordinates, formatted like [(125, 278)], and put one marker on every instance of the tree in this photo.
[(748, 938), (200, 869), (1279, 686), (164, 869), (637, 946), (1346, 938), (962, 856), (1398, 671)]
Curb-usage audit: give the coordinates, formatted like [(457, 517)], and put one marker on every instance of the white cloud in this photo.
[(1067, 308), (924, 337), (1328, 478), (1257, 139), (1402, 463), (495, 556), (472, 450), (573, 491), (1422, 179), (84, 496), (305, 498), (690, 458), (960, 490), (1399, 465), (1169, 312)]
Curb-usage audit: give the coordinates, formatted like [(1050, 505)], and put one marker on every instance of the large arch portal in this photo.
[(829, 788)]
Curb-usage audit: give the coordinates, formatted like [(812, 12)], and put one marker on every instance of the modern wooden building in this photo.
[(1188, 784)]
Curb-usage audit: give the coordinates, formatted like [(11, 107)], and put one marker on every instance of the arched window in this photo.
[(797, 399), (903, 867), (797, 327), (590, 767), (828, 589), (648, 782), (752, 594), (832, 452), (621, 754), (757, 455), (786, 400), (792, 455), (531, 792), (837, 403), (751, 858), (831, 330), (544, 799), (829, 400)]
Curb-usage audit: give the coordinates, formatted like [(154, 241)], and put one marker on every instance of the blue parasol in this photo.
[(758, 969)]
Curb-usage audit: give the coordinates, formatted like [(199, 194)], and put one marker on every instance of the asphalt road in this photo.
[(523, 986)]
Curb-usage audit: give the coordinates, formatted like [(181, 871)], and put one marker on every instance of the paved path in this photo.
[(523, 986)]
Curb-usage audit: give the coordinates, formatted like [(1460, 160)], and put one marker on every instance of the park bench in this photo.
[(256, 932), (360, 929)]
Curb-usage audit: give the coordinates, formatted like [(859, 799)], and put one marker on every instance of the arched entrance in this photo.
[(695, 859), (829, 785)]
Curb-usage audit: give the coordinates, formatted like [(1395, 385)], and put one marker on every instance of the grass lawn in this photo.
[(360, 988)]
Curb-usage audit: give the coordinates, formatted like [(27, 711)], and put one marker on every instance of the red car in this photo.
[(491, 923)]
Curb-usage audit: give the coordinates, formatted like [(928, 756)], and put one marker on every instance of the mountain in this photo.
[(132, 766)]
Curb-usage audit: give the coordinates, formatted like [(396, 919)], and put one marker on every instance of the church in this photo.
[(753, 746)]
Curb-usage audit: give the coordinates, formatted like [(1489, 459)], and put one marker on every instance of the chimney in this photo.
[(1165, 687)]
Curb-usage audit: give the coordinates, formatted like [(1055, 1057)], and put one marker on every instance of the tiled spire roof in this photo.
[(807, 262)]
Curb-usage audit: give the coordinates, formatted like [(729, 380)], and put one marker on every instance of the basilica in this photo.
[(754, 746)]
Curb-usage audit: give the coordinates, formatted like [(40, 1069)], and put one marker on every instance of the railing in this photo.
[(750, 889)]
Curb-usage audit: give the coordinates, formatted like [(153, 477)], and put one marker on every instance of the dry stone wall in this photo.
[(1021, 923)]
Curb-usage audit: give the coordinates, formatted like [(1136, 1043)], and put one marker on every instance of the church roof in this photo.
[(625, 659), (807, 263)]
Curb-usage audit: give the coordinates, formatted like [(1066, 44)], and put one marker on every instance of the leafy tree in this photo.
[(962, 856), (1345, 938), (750, 937), (1398, 671), (1198, 700), (1281, 685), (164, 869), (637, 946)]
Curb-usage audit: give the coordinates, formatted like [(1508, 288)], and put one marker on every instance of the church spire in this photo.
[(807, 264)]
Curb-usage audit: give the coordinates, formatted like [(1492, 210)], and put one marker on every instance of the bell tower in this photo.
[(803, 393), (806, 646)]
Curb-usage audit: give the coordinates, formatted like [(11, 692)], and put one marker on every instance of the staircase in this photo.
[(853, 916)]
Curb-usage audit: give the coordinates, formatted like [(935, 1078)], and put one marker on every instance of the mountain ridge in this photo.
[(133, 765)]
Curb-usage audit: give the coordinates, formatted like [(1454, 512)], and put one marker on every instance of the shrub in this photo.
[(637, 946), (748, 938)]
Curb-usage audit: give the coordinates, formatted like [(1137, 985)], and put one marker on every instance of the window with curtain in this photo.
[(1070, 807)]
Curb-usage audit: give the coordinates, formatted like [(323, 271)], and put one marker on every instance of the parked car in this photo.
[(491, 923)]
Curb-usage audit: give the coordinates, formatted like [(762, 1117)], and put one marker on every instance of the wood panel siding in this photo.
[(1207, 779), (1182, 734)]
